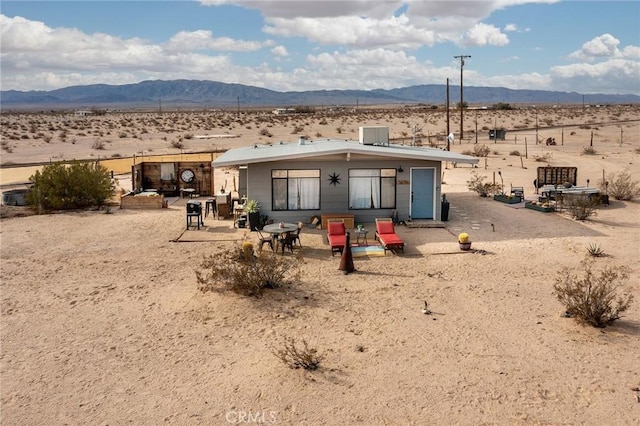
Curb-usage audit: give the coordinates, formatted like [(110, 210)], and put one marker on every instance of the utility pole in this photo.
[(448, 131), (462, 58)]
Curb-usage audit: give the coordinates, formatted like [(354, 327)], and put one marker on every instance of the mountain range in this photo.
[(199, 94)]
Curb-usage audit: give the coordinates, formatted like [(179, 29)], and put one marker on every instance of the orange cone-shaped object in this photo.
[(346, 261)]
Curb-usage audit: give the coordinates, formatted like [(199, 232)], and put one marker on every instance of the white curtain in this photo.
[(304, 194), (166, 171), (364, 189)]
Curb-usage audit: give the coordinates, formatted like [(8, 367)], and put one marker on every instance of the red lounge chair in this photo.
[(386, 234), (337, 236)]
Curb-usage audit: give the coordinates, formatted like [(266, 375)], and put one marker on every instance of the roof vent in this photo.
[(301, 140)]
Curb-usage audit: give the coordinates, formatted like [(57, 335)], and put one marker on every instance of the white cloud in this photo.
[(366, 24), (280, 51), (378, 49), (35, 56), (511, 58), (483, 34), (393, 32), (290, 9), (611, 76), (530, 81), (631, 52), (204, 40), (604, 46)]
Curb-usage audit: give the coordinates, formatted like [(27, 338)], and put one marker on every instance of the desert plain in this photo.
[(102, 321)]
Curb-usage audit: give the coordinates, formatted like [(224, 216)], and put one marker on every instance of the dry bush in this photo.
[(177, 144), (593, 298), (543, 158), (265, 132), (516, 153), (477, 184), (478, 151), (98, 144), (5, 146), (297, 129), (580, 206), (305, 357), (244, 272), (621, 187), (589, 150)]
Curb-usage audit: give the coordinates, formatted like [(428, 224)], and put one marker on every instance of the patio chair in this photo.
[(265, 239), (194, 211), (386, 234), (337, 236), (295, 236), (285, 241), (518, 191)]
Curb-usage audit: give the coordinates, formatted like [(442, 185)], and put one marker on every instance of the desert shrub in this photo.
[(502, 106), (62, 187), (297, 129), (580, 206), (177, 144), (244, 272), (265, 132), (478, 151), (516, 153), (589, 150), (188, 136), (621, 187), (543, 158), (306, 357), (594, 250), (593, 297), (477, 184), (98, 144)]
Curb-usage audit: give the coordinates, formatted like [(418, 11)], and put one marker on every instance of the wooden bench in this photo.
[(348, 219)]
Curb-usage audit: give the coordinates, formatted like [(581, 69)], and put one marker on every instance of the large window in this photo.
[(372, 188), (295, 189)]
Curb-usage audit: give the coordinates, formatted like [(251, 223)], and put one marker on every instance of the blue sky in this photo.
[(283, 45)]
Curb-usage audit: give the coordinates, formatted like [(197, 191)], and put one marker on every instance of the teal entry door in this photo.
[(423, 193)]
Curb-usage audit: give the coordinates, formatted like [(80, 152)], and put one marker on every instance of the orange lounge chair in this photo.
[(337, 236), (386, 234)]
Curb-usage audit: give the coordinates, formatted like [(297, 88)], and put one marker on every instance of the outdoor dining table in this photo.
[(549, 191), (276, 229)]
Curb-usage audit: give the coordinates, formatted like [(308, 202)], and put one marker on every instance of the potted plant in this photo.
[(253, 214), (465, 241)]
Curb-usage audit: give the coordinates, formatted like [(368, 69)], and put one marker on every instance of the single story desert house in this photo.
[(368, 178)]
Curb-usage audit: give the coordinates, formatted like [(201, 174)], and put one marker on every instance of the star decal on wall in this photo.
[(334, 179)]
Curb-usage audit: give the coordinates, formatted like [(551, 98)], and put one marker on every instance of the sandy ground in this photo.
[(102, 322)]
